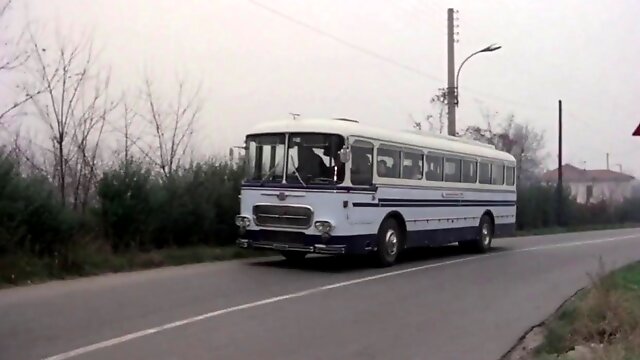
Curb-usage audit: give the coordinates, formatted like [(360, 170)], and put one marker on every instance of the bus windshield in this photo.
[(313, 159), (265, 158), (309, 158)]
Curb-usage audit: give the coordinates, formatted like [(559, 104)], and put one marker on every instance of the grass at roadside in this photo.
[(17, 269), (602, 322)]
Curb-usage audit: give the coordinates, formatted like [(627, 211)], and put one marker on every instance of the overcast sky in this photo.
[(256, 66)]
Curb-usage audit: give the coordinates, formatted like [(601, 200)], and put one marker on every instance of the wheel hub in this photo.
[(486, 234), (391, 242)]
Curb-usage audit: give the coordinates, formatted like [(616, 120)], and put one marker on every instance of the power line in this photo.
[(346, 43), (387, 59)]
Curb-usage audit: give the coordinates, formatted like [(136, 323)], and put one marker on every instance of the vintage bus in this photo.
[(335, 186)]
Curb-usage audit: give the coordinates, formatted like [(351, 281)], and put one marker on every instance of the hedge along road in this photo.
[(437, 304)]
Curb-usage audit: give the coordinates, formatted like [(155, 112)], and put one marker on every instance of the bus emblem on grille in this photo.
[(282, 196)]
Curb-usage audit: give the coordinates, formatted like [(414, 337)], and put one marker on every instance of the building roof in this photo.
[(571, 173), (409, 138)]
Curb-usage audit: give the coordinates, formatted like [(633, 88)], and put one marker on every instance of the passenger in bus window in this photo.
[(382, 168), (417, 172), (360, 169)]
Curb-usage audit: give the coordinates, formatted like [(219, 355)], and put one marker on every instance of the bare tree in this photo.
[(172, 126), (522, 141), (128, 117), (439, 103), (74, 106), (27, 152), (12, 57)]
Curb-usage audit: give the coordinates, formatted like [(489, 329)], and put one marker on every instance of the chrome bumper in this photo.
[(318, 248)]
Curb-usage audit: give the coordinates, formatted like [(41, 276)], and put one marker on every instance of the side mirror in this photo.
[(345, 155)]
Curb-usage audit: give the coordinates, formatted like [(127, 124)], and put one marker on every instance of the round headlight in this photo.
[(243, 221), (323, 226)]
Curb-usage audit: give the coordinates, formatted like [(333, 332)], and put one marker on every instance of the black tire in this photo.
[(484, 237), (389, 243), (293, 256)]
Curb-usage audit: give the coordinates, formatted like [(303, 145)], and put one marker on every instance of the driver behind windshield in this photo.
[(311, 164)]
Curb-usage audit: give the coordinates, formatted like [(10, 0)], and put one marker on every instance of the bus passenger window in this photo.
[(388, 163), (434, 168), (469, 171), (484, 173), (511, 178), (361, 165), (497, 174), (412, 165), (452, 169)]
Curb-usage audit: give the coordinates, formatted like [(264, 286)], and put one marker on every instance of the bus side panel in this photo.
[(433, 218)]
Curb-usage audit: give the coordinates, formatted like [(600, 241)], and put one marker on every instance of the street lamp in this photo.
[(490, 48)]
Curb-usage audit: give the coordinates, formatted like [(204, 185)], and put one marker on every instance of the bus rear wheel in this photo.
[(389, 243), (483, 239)]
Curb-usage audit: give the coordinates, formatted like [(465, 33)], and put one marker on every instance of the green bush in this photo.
[(32, 219), (203, 201), (126, 206), (193, 206), (628, 211), (537, 208)]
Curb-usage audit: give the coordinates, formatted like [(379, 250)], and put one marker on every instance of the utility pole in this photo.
[(451, 89), (607, 161), (559, 204)]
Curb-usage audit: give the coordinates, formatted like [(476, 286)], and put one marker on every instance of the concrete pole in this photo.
[(451, 90)]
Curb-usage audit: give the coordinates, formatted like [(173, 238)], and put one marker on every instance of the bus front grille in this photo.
[(286, 216)]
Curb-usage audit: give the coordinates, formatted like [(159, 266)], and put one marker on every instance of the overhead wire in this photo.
[(346, 43), (388, 59)]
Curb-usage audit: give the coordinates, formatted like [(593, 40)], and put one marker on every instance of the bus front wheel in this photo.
[(389, 243)]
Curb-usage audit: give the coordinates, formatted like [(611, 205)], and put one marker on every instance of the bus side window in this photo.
[(361, 164), (497, 174), (511, 178), (412, 165), (434, 167), (388, 162), (452, 170), (484, 173), (469, 171)]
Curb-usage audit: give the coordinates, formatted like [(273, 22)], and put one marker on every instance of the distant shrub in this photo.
[(126, 206), (32, 219), (203, 201), (195, 205)]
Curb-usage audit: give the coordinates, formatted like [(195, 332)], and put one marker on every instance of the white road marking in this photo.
[(138, 334)]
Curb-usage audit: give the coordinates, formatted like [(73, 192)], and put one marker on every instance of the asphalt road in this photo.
[(436, 304)]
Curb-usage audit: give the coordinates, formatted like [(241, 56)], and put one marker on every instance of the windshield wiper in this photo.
[(269, 173), (295, 171)]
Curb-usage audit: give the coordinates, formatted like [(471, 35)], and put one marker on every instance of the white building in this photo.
[(592, 186)]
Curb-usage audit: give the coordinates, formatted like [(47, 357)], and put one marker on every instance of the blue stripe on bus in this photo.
[(436, 204), (439, 200)]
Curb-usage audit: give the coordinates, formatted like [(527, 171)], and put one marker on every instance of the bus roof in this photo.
[(413, 138)]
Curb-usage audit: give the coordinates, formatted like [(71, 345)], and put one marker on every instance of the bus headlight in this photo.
[(323, 226), (243, 221)]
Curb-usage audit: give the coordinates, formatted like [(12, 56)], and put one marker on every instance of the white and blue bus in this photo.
[(334, 186)]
